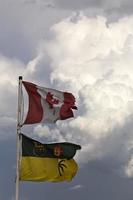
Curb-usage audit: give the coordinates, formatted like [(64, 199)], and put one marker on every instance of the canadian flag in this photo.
[(48, 105)]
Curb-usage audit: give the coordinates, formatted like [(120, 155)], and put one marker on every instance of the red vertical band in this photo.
[(66, 108), (35, 110)]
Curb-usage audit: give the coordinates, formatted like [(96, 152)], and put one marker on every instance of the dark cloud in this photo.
[(23, 25), (40, 3), (7, 167), (15, 45), (84, 4), (96, 181), (113, 10), (29, 1)]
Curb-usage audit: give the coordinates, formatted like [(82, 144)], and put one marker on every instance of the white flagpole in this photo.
[(19, 124)]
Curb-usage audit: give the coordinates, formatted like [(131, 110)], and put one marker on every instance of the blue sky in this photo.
[(84, 47)]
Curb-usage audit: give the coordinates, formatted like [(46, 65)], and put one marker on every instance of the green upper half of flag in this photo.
[(64, 150)]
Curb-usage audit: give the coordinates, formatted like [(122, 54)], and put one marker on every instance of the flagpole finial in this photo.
[(20, 77)]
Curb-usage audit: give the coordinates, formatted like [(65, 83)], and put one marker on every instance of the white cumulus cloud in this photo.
[(94, 62)]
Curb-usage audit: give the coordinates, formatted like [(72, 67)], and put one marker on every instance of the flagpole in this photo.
[(19, 122)]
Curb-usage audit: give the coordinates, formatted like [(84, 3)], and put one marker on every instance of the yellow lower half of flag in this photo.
[(47, 169)]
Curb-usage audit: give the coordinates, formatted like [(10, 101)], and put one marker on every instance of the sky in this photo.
[(84, 47)]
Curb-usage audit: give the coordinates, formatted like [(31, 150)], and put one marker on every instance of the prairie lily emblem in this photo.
[(61, 167), (58, 151)]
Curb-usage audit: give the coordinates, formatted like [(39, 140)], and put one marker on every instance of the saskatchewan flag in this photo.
[(47, 162)]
